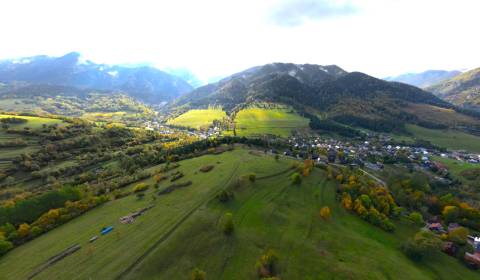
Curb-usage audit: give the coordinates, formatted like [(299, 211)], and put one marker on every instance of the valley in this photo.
[(283, 170)]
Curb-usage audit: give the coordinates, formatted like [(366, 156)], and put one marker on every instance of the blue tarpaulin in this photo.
[(106, 230)]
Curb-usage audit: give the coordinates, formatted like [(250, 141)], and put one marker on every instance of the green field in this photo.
[(198, 118), (32, 122), (450, 139), (8, 153), (183, 231), (258, 121)]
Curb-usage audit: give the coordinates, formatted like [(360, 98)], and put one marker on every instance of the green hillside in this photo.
[(258, 121), (198, 118), (450, 139), (183, 231)]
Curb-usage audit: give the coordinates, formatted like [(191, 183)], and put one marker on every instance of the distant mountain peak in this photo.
[(73, 70), (424, 79)]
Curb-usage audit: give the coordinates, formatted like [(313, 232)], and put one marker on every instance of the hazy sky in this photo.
[(220, 37)]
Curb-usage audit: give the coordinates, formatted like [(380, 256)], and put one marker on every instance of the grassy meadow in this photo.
[(446, 138), (32, 122), (198, 118), (257, 121), (184, 231)]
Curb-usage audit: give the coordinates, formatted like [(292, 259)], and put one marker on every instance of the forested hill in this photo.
[(462, 90), (352, 98), (145, 83)]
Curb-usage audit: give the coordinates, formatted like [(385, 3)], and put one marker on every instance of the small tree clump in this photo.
[(140, 188), (423, 244), (252, 177), (296, 178), (416, 217), (198, 274), (228, 225)]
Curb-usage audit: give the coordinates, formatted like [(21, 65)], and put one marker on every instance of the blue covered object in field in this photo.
[(106, 230)]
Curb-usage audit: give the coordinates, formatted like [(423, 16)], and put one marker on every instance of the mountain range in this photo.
[(462, 90), (145, 83), (424, 79), (329, 91)]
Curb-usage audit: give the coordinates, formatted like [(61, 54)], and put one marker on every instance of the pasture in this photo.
[(32, 122), (184, 231), (258, 121), (198, 118), (447, 138)]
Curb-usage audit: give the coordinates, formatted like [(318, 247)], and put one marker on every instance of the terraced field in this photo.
[(184, 231), (258, 121)]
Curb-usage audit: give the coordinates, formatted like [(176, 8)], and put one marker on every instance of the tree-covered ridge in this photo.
[(462, 90), (351, 98)]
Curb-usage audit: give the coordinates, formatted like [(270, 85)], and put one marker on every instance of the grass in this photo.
[(198, 118), (456, 167), (184, 231), (273, 214), (258, 121), (32, 122), (450, 139), (105, 258)]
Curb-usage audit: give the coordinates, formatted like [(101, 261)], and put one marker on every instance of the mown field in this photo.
[(450, 139), (32, 122), (184, 231), (198, 118), (258, 121)]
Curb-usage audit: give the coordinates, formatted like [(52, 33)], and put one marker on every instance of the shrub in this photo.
[(252, 177), (140, 188), (228, 225), (266, 265), (423, 244), (296, 178), (225, 196), (458, 235), (416, 217), (5, 246), (206, 168), (450, 213), (325, 213), (198, 274)]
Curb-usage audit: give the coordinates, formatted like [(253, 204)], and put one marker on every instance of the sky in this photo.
[(215, 38)]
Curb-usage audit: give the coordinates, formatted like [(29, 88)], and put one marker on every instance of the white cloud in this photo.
[(219, 37)]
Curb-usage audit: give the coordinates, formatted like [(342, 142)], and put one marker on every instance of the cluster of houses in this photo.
[(367, 153), (450, 248)]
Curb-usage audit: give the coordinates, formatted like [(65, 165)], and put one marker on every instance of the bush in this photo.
[(266, 265), (252, 177), (228, 225), (206, 168), (416, 217), (140, 188), (296, 178), (198, 274), (325, 213), (225, 196), (5, 246), (423, 244), (458, 235)]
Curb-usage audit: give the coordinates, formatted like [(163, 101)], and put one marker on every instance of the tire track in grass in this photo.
[(130, 268)]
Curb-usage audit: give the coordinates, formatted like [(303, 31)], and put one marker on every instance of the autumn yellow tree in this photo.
[(347, 201), (23, 230), (325, 213)]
